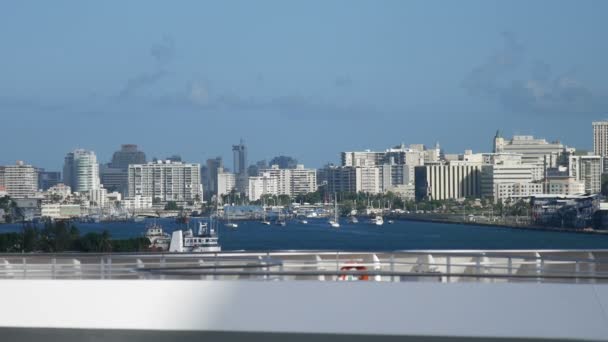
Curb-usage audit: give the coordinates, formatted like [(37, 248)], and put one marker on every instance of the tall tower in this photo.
[(81, 171), (239, 153), (499, 142)]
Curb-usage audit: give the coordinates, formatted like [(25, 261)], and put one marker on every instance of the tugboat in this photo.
[(159, 240), (205, 241)]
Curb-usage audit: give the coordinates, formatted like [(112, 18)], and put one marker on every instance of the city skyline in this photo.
[(192, 81)]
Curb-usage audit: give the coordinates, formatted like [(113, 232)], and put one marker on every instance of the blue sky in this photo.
[(307, 78)]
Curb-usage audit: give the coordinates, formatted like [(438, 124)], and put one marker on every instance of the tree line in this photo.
[(63, 236)]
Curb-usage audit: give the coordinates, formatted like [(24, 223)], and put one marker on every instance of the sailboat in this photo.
[(229, 224), (281, 221), (335, 223), (264, 220)]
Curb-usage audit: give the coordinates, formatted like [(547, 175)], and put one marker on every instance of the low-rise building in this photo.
[(136, 202)]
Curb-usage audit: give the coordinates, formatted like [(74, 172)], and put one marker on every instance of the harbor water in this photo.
[(317, 234)]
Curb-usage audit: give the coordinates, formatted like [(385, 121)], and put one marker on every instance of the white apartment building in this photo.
[(81, 171), (136, 202), (262, 185), (98, 197), (587, 169), (20, 180), (293, 182), (166, 181), (226, 182)]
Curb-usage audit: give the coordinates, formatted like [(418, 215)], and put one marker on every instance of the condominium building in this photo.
[(600, 138), (293, 182), (587, 169), (261, 185), (81, 171), (166, 181), (353, 179), (20, 180), (441, 182), (226, 182)]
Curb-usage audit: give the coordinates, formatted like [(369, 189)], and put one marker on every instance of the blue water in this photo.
[(364, 237)]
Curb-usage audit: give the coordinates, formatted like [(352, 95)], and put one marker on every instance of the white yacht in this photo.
[(186, 242), (159, 240), (378, 221), (353, 219)]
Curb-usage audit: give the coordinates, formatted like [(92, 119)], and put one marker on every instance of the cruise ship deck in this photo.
[(301, 295)]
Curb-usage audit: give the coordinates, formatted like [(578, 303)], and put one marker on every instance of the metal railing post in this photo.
[(53, 261), (448, 268), (392, 267)]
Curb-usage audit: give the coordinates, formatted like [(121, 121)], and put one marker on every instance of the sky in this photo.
[(301, 78)]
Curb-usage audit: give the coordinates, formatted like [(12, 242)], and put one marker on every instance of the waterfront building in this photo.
[(565, 211), (394, 175), (226, 182), (564, 185), (587, 169), (20, 180), (492, 176), (261, 185), (81, 171), (511, 192), (352, 179), (166, 181), (239, 154), (2, 184), (136, 202), (293, 182), (47, 179), (441, 182), (58, 211)]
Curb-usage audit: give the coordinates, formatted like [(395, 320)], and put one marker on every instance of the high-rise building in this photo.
[(114, 179), (81, 171), (239, 154), (48, 179), (498, 181), (441, 182), (292, 182), (210, 174), (128, 154), (600, 138), (166, 181), (20, 180), (352, 179)]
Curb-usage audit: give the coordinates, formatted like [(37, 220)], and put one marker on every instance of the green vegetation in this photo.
[(62, 236)]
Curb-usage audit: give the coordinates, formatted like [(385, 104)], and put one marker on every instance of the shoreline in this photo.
[(499, 225)]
